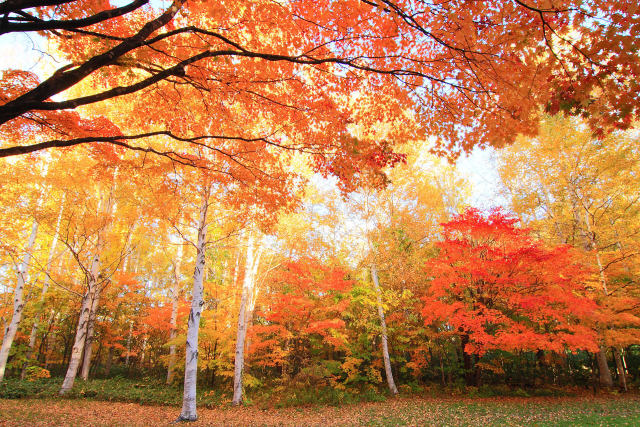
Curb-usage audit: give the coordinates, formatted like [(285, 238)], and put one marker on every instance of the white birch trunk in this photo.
[(88, 301), (126, 358), (191, 352), (235, 278), (174, 316), (88, 343), (383, 325), (45, 287), (242, 324), (144, 351), (89, 305), (255, 290), (18, 302)]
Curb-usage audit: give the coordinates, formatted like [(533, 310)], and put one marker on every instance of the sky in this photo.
[(480, 169), (25, 52)]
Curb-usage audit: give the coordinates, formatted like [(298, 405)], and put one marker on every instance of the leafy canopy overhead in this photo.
[(470, 72)]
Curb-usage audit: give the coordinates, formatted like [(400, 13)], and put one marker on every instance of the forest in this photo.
[(254, 205)]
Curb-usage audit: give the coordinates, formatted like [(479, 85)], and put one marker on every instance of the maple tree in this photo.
[(300, 318), (472, 72), (496, 288)]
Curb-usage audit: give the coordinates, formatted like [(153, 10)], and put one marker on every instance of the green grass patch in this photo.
[(146, 391)]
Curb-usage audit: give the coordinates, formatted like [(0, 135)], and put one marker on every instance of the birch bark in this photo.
[(247, 289), (88, 344), (45, 287), (383, 325), (83, 323), (18, 301), (84, 332), (191, 354)]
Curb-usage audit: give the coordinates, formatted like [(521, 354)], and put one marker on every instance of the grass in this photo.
[(146, 391), (538, 411), (147, 401), (153, 392)]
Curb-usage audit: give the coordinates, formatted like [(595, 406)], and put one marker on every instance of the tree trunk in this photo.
[(383, 325), (126, 358), (242, 324), (467, 361), (191, 353), (601, 357), (234, 284), (253, 295), (18, 302), (174, 315), (42, 348), (107, 368), (78, 345), (622, 377), (88, 342), (97, 359), (144, 350), (603, 369), (86, 308), (45, 287)]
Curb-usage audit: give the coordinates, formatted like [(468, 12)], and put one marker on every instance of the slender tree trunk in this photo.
[(467, 361), (234, 284), (88, 342), (622, 377), (45, 287), (603, 369), (242, 324), (107, 368), (18, 302), (253, 296), (126, 358), (78, 345), (97, 359), (383, 325), (174, 315), (144, 351), (42, 348), (83, 322), (191, 353), (601, 357)]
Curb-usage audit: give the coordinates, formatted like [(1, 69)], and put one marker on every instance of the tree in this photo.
[(573, 188), (188, 412), (497, 288), (252, 264), (300, 326), (472, 72)]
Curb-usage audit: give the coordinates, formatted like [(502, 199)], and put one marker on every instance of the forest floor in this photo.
[(569, 411)]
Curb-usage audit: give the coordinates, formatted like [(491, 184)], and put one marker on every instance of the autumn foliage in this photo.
[(302, 314), (261, 196), (498, 288)]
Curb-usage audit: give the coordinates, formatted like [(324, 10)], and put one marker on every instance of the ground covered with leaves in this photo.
[(613, 410)]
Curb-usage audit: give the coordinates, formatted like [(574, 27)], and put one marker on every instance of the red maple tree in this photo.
[(496, 287)]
